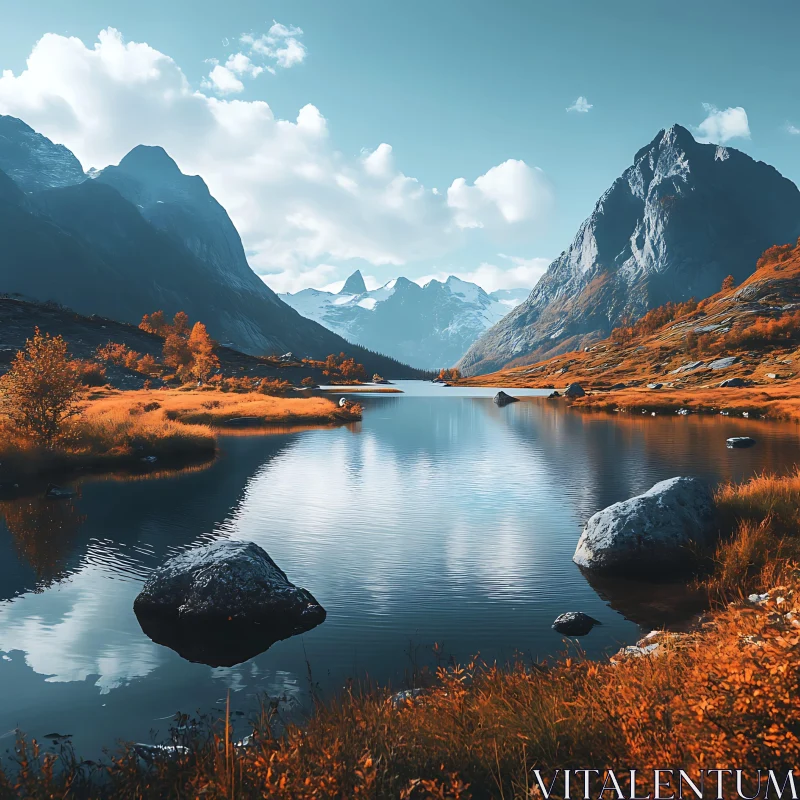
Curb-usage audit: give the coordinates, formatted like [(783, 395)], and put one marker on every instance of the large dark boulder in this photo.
[(223, 603), (574, 390), (502, 399), (651, 534)]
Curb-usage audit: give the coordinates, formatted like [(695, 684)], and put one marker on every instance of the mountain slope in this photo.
[(750, 332), (32, 161), (89, 247), (428, 326), (683, 217)]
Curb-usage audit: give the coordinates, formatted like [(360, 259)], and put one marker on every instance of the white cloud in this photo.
[(298, 203), (523, 273), (720, 127), (279, 47), (792, 129), (581, 105), (223, 81), (511, 191)]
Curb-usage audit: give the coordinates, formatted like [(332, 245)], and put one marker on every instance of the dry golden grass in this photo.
[(116, 428), (219, 408), (725, 696), (760, 520)]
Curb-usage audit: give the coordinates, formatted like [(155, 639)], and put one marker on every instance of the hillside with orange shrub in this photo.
[(680, 346)]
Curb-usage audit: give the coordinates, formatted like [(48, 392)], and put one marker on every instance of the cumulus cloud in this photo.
[(720, 127), (523, 273), (298, 203), (581, 105), (793, 129), (512, 192)]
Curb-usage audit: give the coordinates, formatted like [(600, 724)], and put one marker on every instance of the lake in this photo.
[(440, 518)]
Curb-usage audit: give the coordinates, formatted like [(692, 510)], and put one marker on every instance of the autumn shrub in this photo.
[(90, 373), (42, 390)]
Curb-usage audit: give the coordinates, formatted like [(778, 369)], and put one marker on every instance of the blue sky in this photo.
[(456, 89)]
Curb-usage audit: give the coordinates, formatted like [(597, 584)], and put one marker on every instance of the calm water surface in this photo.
[(439, 518)]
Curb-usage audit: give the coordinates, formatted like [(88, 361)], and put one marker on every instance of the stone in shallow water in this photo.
[(739, 442), (574, 623), (502, 399), (223, 603)]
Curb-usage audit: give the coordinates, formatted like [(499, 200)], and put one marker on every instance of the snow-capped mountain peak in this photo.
[(427, 326)]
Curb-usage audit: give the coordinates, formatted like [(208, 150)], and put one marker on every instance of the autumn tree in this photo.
[(154, 323), (42, 390), (180, 323), (177, 355), (728, 284), (201, 347)]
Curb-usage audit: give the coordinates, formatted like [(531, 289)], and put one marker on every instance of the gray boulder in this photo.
[(655, 385), (227, 581), (574, 390), (650, 533), (723, 363), (574, 623), (732, 383), (223, 603), (502, 399)]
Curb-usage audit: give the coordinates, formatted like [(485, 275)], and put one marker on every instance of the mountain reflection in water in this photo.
[(440, 518)]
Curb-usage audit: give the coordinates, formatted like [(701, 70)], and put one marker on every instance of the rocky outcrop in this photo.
[(676, 222), (651, 534), (574, 390), (502, 399), (733, 383), (574, 623), (223, 603)]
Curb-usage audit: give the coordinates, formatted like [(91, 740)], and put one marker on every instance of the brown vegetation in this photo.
[(724, 694)]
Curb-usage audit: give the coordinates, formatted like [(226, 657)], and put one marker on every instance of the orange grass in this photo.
[(218, 408), (725, 697), (118, 428)]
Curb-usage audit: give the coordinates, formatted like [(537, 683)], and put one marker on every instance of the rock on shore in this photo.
[(652, 533)]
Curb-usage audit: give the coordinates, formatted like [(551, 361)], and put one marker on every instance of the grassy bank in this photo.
[(117, 429), (724, 695), (779, 402)]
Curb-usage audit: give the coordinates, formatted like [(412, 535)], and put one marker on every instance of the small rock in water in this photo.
[(57, 492), (553, 394), (574, 390), (732, 383), (150, 459), (682, 411), (574, 623), (740, 441), (502, 399)]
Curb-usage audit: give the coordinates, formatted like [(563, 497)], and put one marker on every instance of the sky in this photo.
[(422, 138)]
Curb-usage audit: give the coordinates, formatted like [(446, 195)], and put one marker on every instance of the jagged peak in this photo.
[(14, 123), (674, 136), (354, 284)]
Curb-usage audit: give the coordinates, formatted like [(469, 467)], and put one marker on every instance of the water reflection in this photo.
[(440, 519)]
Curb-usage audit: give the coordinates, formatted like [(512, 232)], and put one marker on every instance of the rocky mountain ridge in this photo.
[(673, 226)]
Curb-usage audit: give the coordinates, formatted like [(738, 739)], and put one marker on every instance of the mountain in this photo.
[(428, 326), (139, 237), (673, 226), (749, 332), (32, 161)]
